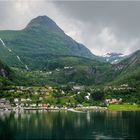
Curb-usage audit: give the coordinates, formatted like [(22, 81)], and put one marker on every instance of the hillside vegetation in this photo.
[(37, 43), (42, 61)]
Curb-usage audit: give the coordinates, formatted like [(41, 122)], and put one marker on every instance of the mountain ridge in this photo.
[(113, 57), (41, 48), (42, 22), (128, 70), (38, 38)]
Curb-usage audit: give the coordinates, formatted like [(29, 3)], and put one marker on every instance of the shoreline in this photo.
[(76, 110)]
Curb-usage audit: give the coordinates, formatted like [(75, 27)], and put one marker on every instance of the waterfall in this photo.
[(19, 59), (2, 43), (5, 45), (9, 50), (26, 67)]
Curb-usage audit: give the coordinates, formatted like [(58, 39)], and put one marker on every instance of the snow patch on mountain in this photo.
[(113, 57)]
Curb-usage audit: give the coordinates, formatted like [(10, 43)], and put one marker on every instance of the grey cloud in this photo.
[(121, 18), (124, 16), (101, 26)]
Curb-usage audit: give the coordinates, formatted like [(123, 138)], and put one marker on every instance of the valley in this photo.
[(41, 65)]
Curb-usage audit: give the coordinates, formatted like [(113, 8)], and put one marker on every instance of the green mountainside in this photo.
[(45, 50), (35, 44), (5, 74), (77, 70), (129, 70)]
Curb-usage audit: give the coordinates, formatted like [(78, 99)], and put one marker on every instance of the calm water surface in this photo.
[(69, 125)]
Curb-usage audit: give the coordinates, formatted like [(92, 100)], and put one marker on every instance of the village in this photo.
[(49, 98)]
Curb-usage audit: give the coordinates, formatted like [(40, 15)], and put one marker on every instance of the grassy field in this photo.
[(124, 107)]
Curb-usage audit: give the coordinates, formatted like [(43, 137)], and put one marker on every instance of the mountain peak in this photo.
[(114, 54), (41, 21), (113, 57)]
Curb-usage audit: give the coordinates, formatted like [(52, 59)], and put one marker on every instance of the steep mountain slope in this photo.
[(40, 39), (130, 63), (129, 70)]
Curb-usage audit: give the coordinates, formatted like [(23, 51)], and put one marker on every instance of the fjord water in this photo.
[(69, 125)]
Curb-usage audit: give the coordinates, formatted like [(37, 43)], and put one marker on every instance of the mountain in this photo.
[(50, 55), (131, 62), (36, 43), (113, 57), (53, 57), (129, 70)]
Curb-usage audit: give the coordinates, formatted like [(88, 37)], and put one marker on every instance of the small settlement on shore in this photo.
[(48, 98), (5, 105)]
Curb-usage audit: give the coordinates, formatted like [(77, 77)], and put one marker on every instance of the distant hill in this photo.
[(33, 45)]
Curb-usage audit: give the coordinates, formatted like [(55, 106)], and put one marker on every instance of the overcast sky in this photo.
[(101, 26)]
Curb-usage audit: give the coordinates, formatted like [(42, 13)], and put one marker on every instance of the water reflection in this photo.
[(64, 125)]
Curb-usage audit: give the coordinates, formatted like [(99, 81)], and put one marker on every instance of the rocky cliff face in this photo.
[(132, 62), (4, 70), (3, 73)]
